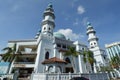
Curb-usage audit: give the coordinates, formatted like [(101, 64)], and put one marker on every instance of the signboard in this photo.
[(4, 67)]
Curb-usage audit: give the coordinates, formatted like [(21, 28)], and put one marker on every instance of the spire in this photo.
[(88, 24), (50, 5), (92, 38), (49, 11), (90, 29), (48, 23)]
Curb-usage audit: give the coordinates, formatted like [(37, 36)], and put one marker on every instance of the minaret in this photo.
[(48, 21), (92, 38), (45, 39), (99, 54)]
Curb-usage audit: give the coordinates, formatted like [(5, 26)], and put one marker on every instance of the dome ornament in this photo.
[(88, 24), (50, 5)]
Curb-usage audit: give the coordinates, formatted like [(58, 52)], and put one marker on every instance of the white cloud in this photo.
[(70, 34), (80, 9)]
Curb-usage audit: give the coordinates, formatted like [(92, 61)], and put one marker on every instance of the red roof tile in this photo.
[(53, 60)]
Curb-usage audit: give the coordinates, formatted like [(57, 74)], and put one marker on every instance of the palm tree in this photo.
[(88, 56), (115, 62), (72, 53), (9, 54), (106, 68)]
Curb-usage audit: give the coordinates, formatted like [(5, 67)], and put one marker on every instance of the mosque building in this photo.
[(45, 53)]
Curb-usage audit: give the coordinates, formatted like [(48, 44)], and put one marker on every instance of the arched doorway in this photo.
[(47, 55), (67, 60), (69, 67)]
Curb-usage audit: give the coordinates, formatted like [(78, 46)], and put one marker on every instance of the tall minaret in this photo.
[(45, 39), (48, 21), (99, 54), (92, 38)]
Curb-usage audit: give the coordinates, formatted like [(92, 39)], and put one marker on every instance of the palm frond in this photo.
[(84, 59), (6, 48), (5, 58), (9, 53), (72, 52), (88, 56)]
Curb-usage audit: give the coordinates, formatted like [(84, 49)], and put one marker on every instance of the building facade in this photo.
[(113, 51), (45, 53)]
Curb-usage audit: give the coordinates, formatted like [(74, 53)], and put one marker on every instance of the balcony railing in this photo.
[(24, 62), (32, 52)]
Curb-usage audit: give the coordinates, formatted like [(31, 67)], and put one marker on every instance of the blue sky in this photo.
[(20, 19)]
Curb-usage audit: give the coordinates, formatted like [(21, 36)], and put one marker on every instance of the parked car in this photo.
[(79, 78)]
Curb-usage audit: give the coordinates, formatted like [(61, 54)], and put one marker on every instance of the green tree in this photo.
[(72, 53), (88, 56), (9, 54), (106, 69), (115, 62)]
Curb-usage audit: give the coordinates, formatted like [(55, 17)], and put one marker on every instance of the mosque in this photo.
[(45, 53)]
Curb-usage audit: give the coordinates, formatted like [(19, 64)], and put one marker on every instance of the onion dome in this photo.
[(59, 35)]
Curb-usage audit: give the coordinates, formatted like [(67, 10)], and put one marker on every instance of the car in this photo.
[(79, 78)]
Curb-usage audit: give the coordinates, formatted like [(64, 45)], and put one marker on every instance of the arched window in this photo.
[(82, 48), (94, 43), (49, 28), (50, 69), (67, 60), (91, 44), (47, 55), (59, 70), (44, 28)]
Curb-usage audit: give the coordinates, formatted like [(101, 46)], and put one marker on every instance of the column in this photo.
[(54, 50)]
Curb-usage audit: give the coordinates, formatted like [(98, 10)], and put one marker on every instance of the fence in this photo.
[(68, 76)]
